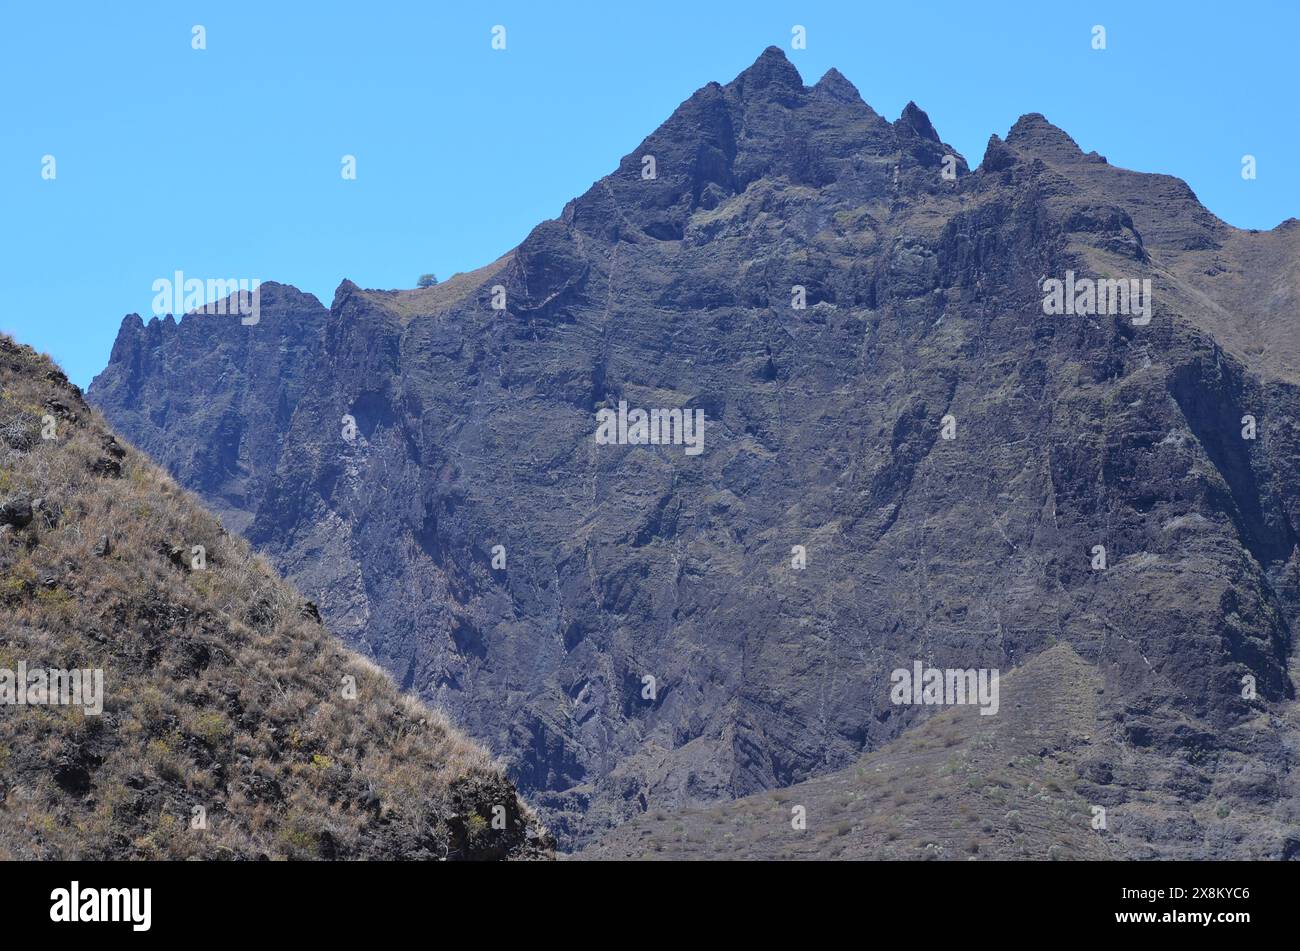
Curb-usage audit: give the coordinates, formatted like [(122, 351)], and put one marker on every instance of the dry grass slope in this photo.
[(429, 301), (222, 690)]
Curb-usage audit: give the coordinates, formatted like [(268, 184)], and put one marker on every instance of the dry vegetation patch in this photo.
[(224, 701)]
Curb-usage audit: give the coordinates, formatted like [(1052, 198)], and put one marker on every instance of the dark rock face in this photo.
[(210, 397), (16, 512), (380, 451)]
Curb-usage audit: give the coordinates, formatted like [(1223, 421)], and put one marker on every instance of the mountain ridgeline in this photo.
[(905, 458)]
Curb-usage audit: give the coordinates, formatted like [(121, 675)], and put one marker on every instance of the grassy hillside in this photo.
[(233, 724)]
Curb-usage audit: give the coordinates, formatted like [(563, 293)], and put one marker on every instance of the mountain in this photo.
[(910, 454), (212, 716)]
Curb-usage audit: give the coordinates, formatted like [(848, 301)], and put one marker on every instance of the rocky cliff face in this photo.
[(860, 317), (213, 405)]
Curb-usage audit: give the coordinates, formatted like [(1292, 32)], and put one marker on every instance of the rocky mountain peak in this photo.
[(915, 120), (1033, 133), (835, 85), (997, 157), (771, 72)]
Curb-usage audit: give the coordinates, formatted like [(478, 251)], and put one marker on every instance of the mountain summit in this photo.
[(910, 456)]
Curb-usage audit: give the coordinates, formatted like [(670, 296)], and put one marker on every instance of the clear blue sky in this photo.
[(226, 162)]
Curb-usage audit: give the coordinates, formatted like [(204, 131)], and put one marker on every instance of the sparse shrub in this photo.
[(212, 728), (297, 843)]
